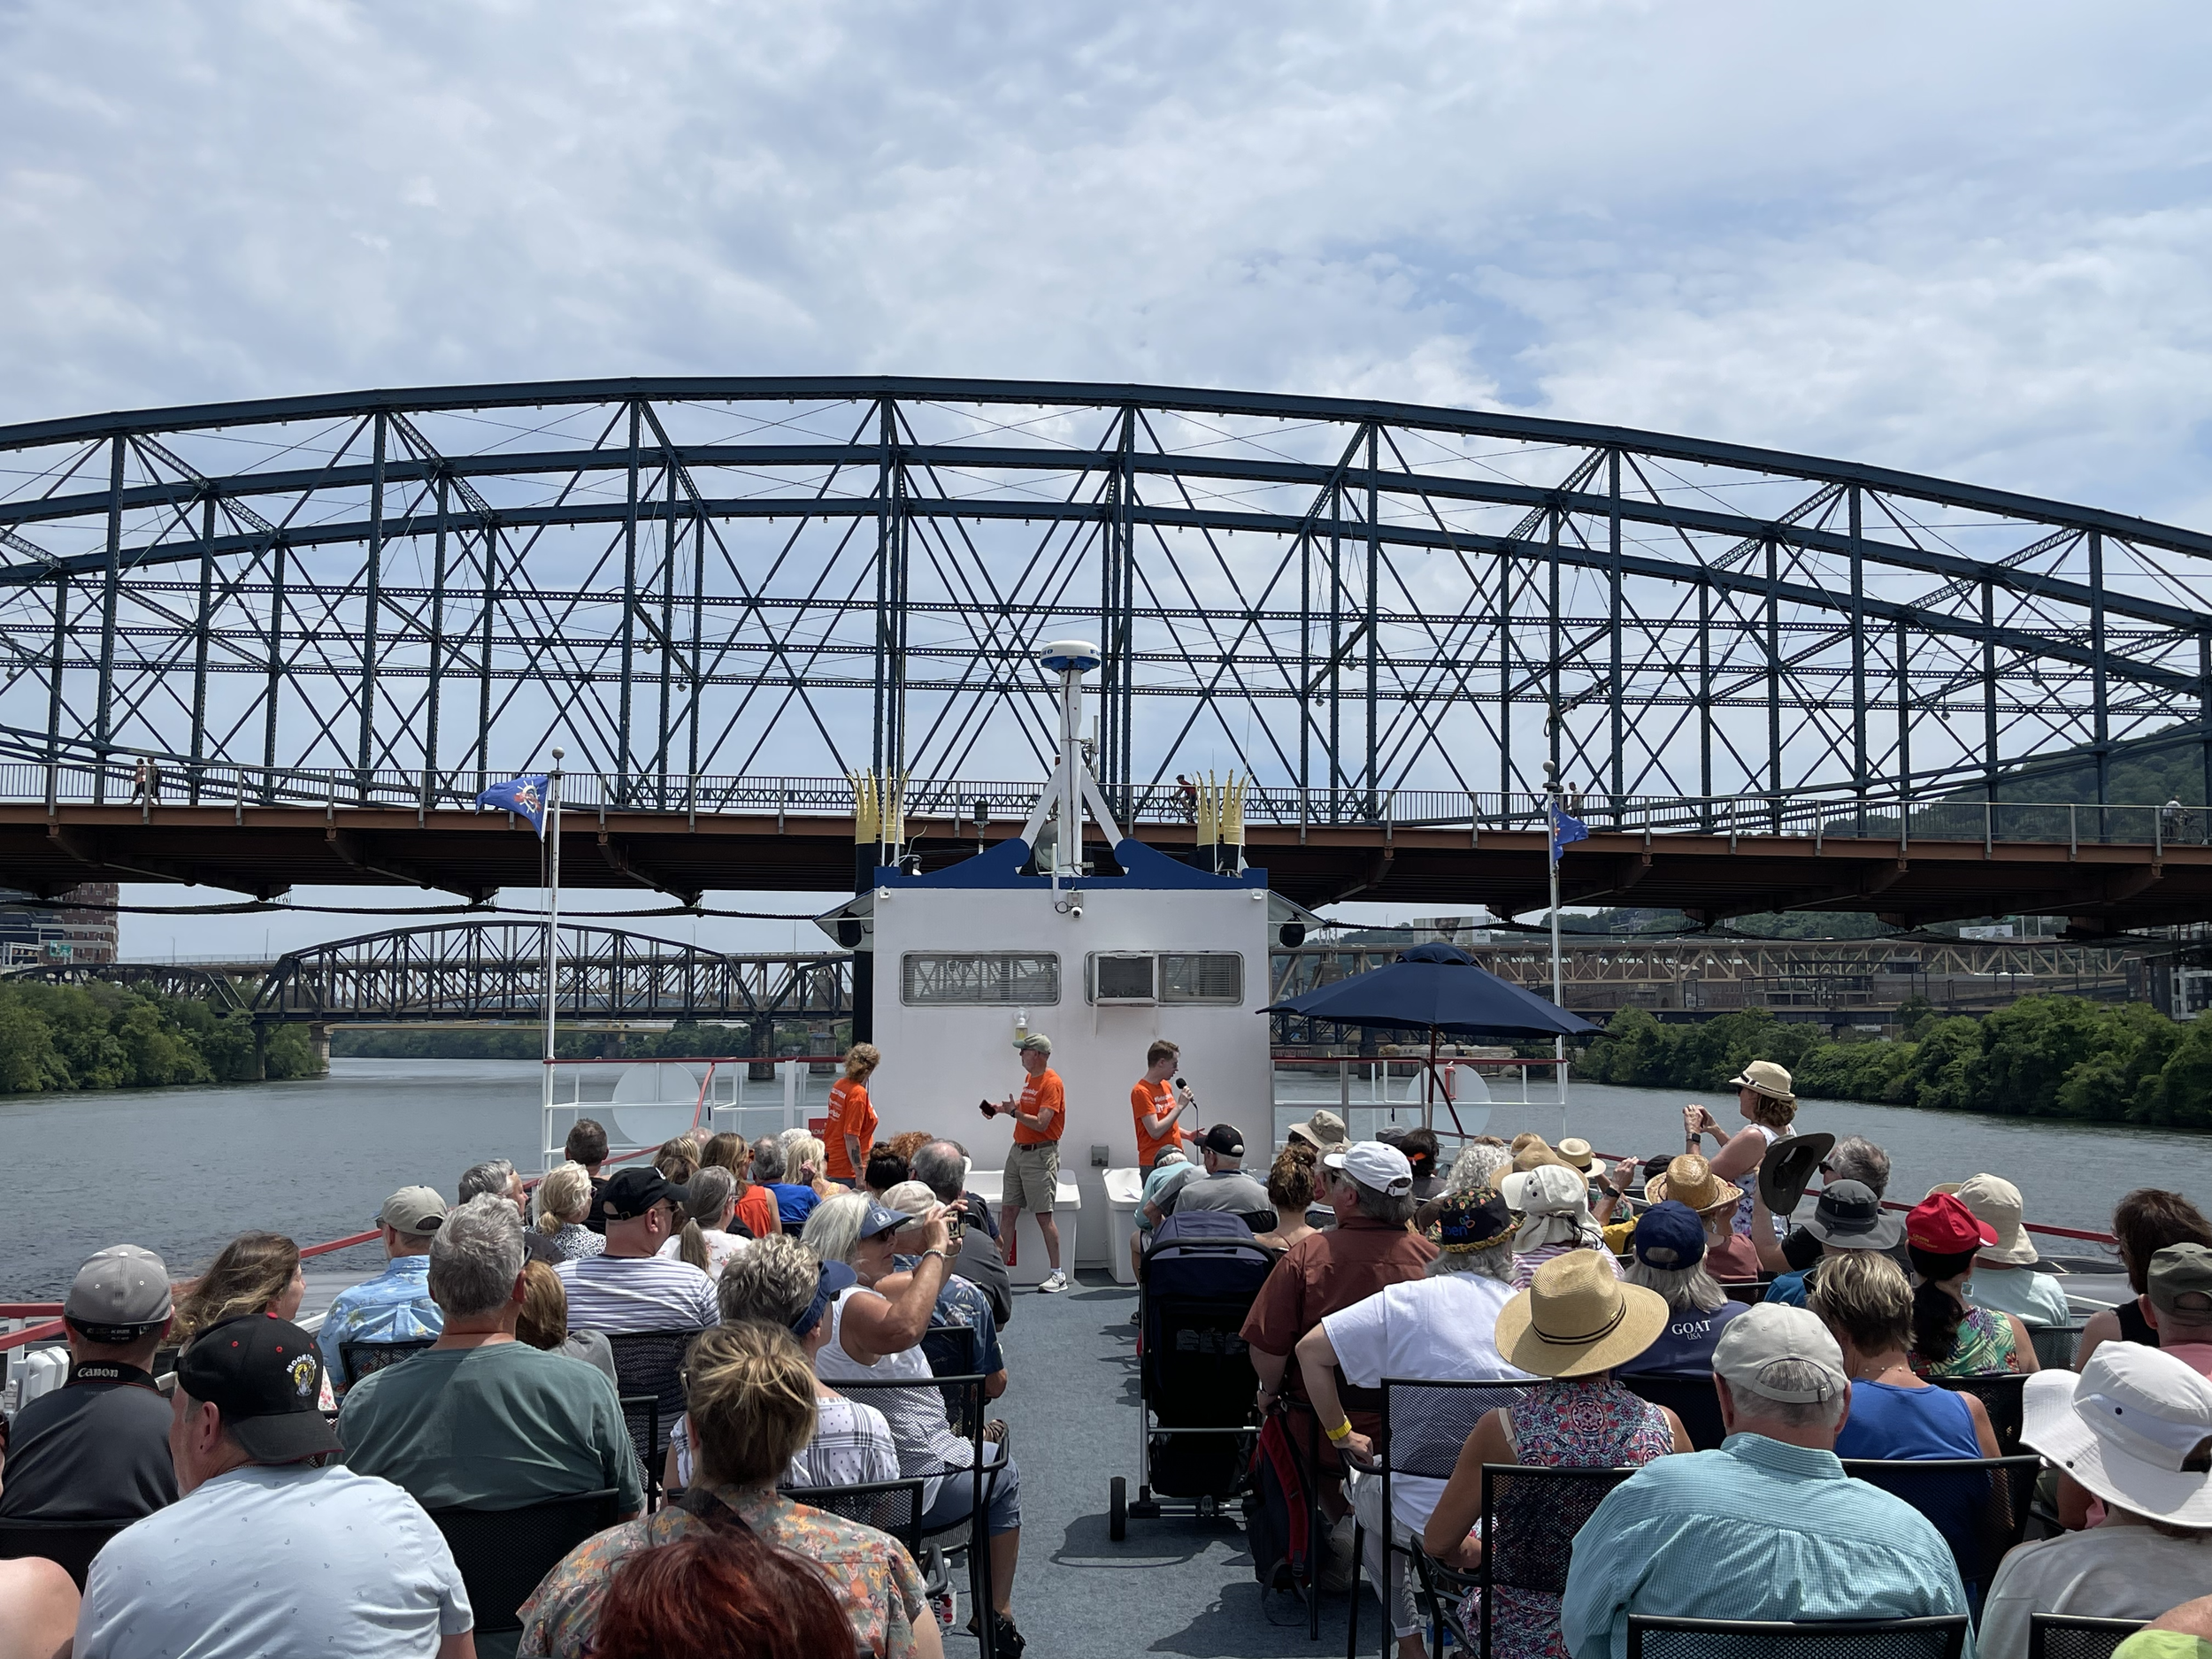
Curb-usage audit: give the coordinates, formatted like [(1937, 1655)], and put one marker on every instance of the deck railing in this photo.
[(941, 808)]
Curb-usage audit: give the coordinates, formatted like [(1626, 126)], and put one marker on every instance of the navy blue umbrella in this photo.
[(1436, 990)]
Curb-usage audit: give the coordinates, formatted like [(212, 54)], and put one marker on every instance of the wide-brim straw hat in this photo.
[(1689, 1179), (1577, 1152), (1576, 1318)]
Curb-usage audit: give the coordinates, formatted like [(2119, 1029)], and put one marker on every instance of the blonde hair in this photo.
[(253, 1270), (678, 1159), (1865, 1296), (750, 1396), (861, 1058), (805, 1156), (544, 1320), (563, 1197)]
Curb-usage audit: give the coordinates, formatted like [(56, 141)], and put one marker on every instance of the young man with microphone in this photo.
[(1155, 1103)]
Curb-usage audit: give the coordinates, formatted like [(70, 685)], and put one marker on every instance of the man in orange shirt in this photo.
[(852, 1116), (1032, 1167), (1154, 1104)]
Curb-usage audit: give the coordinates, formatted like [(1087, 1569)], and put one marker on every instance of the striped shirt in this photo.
[(851, 1447), (621, 1294), (1759, 1529)]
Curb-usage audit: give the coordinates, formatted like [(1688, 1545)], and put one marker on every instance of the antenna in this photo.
[(1071, 782)]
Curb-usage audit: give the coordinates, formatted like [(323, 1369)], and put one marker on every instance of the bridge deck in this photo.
[(266, 850)]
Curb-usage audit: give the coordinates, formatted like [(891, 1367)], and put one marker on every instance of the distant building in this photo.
[(58, 930)]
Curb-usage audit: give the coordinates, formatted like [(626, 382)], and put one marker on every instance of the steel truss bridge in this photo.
[(493, 973), (325, 623)]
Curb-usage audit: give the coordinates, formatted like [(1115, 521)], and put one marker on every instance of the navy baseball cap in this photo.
[(881, 1219), (266, 1378), (1668, 1236)]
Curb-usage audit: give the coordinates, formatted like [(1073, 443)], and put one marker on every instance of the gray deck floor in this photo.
[(1176, 1585)]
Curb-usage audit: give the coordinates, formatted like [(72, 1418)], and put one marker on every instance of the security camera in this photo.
[(1075, 911)]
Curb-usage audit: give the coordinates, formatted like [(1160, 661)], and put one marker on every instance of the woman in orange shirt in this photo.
[(852, 1117), (1155, 1103)]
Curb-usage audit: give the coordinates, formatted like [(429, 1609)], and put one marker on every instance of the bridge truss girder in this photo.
[(675, 577)]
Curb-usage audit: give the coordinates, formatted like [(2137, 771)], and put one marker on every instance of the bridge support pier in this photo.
[(319, 1039)]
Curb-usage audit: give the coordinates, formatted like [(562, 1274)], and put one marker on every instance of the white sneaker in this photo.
[(1053, 1282)]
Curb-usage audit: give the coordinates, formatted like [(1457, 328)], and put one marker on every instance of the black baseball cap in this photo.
[(631, 1192), (1223, 1141), (266, 1378)]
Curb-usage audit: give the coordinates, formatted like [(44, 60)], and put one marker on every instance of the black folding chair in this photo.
[(1425, 1424), (1530, 1516), (1444, 1587), (504, 1554), (970, 1533), (1654, 1638), (364, 1359), (1690, 1396), (1980, 1504), (70, 1544), (955, 1350), (2055, 1345), (1748, 1291), (649, 1368), (2063, 1636), (2002, 1396)]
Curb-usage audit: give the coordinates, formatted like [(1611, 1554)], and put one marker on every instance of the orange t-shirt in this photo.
[(1144, 1100), (1042, 1097), (757, 1210), (849, 1114)]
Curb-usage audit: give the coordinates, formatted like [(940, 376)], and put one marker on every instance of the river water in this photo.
[(183, 1170)]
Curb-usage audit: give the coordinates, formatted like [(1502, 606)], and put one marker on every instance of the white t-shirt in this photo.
[(720, 1247), (1437, 1328), (2117, 1571), (268, 1561), (625, 1294)]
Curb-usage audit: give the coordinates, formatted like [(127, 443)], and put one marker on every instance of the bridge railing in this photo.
[(939, 808)]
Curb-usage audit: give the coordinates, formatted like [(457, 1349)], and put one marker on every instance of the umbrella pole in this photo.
[(1428, 1092)]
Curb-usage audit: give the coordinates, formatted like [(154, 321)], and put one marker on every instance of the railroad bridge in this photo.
[(262, 644)]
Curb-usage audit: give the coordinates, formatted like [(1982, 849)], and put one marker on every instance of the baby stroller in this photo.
[(1195, 1385)]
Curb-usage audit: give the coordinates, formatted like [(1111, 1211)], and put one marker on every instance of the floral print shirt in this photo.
[(868, 1572)]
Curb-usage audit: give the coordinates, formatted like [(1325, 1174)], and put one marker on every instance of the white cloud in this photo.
[(1970, 239)]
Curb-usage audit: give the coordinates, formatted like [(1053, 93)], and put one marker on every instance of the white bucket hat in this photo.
[(2133, 1428)]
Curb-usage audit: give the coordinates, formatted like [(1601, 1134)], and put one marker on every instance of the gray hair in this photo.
[(768, 1160), (832, 1230), (710, 1187), (475, 1258), (1799, 1376), (1494, 1263), (1856, 1158), (942, 1166), (1380, 1206), (491, 1176), (1476, 1167), (1691, 1286), (772, 1282)]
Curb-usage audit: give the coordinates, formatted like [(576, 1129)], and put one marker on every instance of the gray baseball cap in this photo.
[(417, 1211), (125, 1285), (1758, 1341)]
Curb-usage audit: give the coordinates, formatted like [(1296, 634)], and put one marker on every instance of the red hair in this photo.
[(723, 1592)]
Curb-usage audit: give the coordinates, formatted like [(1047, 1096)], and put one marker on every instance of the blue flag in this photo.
[(525, 794), (1564, 829)]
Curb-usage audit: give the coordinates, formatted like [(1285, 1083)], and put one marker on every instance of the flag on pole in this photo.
[(1564, 829), (525, 794)]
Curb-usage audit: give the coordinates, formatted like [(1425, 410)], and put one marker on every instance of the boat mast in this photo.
[(552, 922)]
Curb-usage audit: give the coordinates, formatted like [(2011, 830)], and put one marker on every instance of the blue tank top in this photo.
[(1890, 1421)]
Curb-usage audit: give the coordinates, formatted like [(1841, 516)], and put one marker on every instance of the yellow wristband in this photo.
[(1340, 1433)]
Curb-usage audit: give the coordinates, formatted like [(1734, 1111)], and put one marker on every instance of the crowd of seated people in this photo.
[(272, 1440)]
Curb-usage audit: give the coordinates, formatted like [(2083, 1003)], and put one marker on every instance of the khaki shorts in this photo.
[(1032, 1176)]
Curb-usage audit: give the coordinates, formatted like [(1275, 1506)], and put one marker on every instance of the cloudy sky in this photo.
[(1968, 239)]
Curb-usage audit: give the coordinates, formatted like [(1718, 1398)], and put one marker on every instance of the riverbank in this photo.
[(2059, 1057), (62, 1039)]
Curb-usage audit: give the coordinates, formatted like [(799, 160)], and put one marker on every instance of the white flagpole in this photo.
[(552, 918), (1558, 987)]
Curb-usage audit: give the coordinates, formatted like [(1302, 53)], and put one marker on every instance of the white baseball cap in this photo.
[(1373, 1165)]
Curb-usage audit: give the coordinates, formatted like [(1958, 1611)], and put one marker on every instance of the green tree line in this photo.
[(64, 1037), (2044, 1056)]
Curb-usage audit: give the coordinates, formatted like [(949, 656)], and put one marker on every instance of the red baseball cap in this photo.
[(1939, 1223)]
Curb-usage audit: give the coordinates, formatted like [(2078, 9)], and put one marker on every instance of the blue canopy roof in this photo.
[(1435, 988)]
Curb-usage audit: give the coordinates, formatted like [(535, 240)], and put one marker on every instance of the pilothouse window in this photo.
[(971, 981)]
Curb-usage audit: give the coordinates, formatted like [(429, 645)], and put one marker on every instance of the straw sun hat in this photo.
[(1689, 1179), (1576, 1319)]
